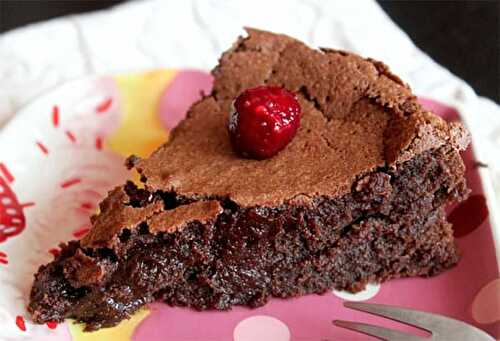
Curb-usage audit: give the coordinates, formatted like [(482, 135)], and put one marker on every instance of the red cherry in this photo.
[(264, 121)]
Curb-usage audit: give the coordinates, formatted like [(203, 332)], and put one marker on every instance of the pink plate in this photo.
[(65, 150)]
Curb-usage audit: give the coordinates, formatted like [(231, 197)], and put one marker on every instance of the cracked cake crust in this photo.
[(357, 117)]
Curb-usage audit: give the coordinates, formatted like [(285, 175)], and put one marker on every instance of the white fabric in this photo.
[(192, 33)]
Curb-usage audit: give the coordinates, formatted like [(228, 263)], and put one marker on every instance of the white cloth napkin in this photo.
[(150, 34)]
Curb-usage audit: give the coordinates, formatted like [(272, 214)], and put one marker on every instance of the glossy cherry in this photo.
[(263, 121)]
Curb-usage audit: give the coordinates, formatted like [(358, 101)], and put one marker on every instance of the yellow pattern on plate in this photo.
[(140, 131), (122, 332)]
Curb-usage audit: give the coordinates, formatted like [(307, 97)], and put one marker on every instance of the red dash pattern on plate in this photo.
[(98, 143), (42, 147), (20, 323), (71, 136), (87, 206), (70, 182), (55, 252), (55, 116), (104, 105), (52, 325), (82, 231)]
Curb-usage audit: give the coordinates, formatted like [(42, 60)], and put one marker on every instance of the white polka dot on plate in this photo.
[(261, 328), (486, 304), (370, 291)]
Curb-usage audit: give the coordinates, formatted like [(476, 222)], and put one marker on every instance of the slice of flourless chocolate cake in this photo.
[(357, 196)]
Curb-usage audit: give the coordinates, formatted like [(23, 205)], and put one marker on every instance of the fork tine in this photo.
[(380, 332), (427, 321), (439, 326)]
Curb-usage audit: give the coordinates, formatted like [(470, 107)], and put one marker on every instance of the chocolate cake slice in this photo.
[(356, 197)]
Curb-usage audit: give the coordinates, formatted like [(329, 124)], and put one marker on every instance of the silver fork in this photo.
[(442, 328)]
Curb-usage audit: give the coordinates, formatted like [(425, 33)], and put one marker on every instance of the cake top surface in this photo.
[(356, 117)]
